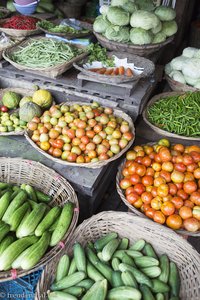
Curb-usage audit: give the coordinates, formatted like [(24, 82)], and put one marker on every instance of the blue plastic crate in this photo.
[(22, 288)]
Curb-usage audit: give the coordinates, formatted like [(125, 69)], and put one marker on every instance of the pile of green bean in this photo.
[(44, 53), (177, 114)]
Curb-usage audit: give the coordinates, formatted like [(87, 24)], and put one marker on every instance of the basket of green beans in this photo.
[(175, 115)]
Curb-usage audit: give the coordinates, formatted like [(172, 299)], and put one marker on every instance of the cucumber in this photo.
[(128, 279), (30, 223), (48, 220), (146, 261), (80, 258), (75, 291), (128, 260), (72, 267), (31, 192), (100, 243), (4, 185), (174, 298), (53, 226), (68, 281), (97, 291), (9, 239), (33, 204), (93, 273), (160, 296), (152, 272), (16, 203), (146, 293), (14, 250), (99, 255), (164, 265), (16, 188), (4, 191), (109, 249), (149, 251), (4, 229), (36, 252), (119, 254), (90, 245), (86, 283), (61, 296), (138, 246), (159, 287), (17, 216), (18, 261), (4, 202), (174, 279), (116, 279), (43, 197), (91, 256), (62, 267), (115, 263), (105, 270), (139, 276), (134, 253), (14, 194), (123, 244), (124, 293), (63, 224)]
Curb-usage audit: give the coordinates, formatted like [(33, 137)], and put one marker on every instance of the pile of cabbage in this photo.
[(136, 22), (186, 68)]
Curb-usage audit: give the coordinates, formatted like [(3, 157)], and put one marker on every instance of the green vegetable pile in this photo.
[(44, 53), (29, 225), (51, 27), (111, 269), (2, 14), (97, 53), (177, 114)]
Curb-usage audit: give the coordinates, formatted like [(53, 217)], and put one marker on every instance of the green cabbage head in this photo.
[(139, 36), (144, 19), (101, 24), (118, 16), (169, 28), (165, 13), (118, 34)]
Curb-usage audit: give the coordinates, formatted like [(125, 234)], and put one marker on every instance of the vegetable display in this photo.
[(29, 225), (21, 23), (177, 114), (110, 268), (44, 53), (80, 133), (51, 27), (137, 23), (186, 68), (120, 71), (163, 181), (98, 53)]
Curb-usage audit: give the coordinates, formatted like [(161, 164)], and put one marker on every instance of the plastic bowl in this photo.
[(25, 2), (26, 9)]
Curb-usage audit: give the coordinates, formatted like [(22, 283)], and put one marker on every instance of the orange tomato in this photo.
[(146, 197), (156, 203), (159, 217), (168, 208), (45, 146), (163, 190), (185, 212), (174, 222), (138, 203), (189, 203), (177, 201), (150, 212), (132, 198)]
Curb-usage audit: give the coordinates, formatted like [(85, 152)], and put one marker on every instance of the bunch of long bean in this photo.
[(44, 53), (177, 114)]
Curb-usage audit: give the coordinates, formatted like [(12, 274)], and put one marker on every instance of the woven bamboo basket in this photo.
[(6, 12), (136, 211), (144, 50), (140, 62), (52, 72), (162, 239), (14, 43), (18, 171), (91, 165), (178, 86), (17, 32), (159, 130)]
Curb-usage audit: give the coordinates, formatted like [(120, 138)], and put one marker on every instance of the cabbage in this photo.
[(139, 36), (159, 38), (197, 54), (169, 27), (144, 19), (191, 81), (168, 68), (157, 29), (178, 76), (145, 4), (192, 68), (104, 9), (118, 2), (189, 52), (101, 24), (179, 62), (130, 7), (165, 13), (197, 85), (118, 16), (118, 34)]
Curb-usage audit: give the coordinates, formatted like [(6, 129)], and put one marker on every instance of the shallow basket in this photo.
[(51, 72), (136, 211), (134, 228), (178, 86), (15, 42), (144, 50), (18, 171), (91, 165), (158, 130), (17, 32)]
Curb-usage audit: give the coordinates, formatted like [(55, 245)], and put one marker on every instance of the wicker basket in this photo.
[(145, 50), (136, 211), (17, 32), (14, 43), (178, 86), (159, 130), (52, 72), (147, 65), (91, 165), (126, 225), (18, 171), (6, 12)]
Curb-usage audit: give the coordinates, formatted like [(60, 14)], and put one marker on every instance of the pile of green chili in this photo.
[(44, 53), (177, 114)]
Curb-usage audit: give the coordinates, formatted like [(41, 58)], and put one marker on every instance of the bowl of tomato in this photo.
[(162, 182)]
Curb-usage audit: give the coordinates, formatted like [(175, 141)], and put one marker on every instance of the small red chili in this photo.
[(21, 22)]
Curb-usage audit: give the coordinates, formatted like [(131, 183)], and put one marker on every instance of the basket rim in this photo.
[(92, 165), (160, 131), (180, 85), (7, 275)]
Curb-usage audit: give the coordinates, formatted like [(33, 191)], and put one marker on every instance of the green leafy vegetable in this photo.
[(51, 27), (97, 53)]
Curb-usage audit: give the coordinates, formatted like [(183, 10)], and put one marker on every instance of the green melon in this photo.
[(28, 111)]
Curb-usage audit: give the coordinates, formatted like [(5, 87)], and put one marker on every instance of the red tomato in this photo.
[(140, 170), (125, 172), (58, 143), (72, 157), (185, 212), (152, 155), (187, 159), (180, 167), (156, 166), (150, 213), (174, 222), (177, 177), (177, 201), (196, 212), (154, 191), (138, 160), (195, 198), (189, 203), (129, 190), (157, 158), (167, 166), (131, 198), (195, 155), (156, 203), (192, 167), (57, 152), (179, 147), (125, 183), (168, 208), (158, 181), (135, 178), (179, 185), (145, 207), (165, 154), (189, 176), (191, 224), (150, 172), (197, 173), (85, 139), (139, 188), (166, 175), (132, 167), (71, 133), (4, 108), (190, 187), (90, 133), (147, 180), (172, 188), (146, 161), (159, 217), (182, 194), (167, 198), (146, 197)]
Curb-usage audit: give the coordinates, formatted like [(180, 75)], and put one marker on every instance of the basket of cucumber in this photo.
[(115, 255), (38, 212)]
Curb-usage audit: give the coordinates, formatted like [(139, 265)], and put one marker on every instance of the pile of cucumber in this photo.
[(28, 225), (111, 269)]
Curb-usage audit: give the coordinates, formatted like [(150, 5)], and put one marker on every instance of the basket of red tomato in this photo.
[(162, 182)]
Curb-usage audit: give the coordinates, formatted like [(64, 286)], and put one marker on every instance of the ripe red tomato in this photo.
[(146, 197), (197, 173), (131, 198), (165, 154), (138, 159), (146, 161), (166, 175), (172, 188), (189, 203), (177, 201), (190, 187), (179, 147), (180, 167), (132, 167), (159, 217), (150, 213), (163, 190), (179, 185), (125, 183), (185, 212), (154, 191), (191, 224), (195, 155), (182, 194), (4, 108), (168, 208), (187, 159), (150, 171), (139, 188), (192, 167), (140, 170), (57, 152), (174, 222), (195, 198), (58, 143), (125, 172), (129, 190), (144, 207), (134, 179), (147, 180)]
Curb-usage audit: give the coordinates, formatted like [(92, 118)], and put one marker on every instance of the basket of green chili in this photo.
[(175, 115), (46, 56)]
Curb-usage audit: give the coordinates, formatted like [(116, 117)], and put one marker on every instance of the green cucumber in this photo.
[(43, 197), (139, 276), (93, 273), (174, 279), (62, 267), (75, 291), (14, 194), (100, 243), (134, 253), (80, 258), (164, 265), (149, 251), (146, 293), (72, 267), (128, 260), (109, 249), (63, 224), (16, 188), (115, 263), (123, 244), (61, 296), (91, 256), (4, 202), (18, 261), (19, 199), (116, 279), (48, 220), (159, 287), (160, 296), (146, 261), (33, 204), (124, 293), (17, 216), (4, 185), (86, 283), (31, 192), (128, 279), (53, 226), (9, 239), (138, 246), (105, 270), (68, 281), (4, 229), (119, 254), (97, 291), (152, 272)]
